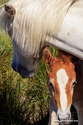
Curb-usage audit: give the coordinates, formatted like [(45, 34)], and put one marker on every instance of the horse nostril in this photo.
[(19, 70), (14, 67)]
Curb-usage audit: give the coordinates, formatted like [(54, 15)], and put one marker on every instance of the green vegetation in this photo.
[(3, 1)]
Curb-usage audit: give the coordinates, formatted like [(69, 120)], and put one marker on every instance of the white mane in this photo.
[(34, 19)]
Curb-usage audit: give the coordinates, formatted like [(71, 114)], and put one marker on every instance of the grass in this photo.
[(3, 1)]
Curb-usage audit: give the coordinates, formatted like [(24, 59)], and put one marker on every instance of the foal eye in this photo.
[(50, 84), (73, 84)]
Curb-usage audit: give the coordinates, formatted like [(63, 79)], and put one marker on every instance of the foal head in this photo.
[(61, 82)]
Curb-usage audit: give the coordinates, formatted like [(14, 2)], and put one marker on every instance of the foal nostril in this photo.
[(69, 116), (58, 117), (63, 118)]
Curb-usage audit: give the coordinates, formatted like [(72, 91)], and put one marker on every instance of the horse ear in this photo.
[(48, 58), (10, 10)]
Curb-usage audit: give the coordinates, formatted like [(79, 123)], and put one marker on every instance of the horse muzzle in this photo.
[(22, 71)]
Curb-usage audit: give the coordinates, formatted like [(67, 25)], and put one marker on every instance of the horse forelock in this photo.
[(35, 19)]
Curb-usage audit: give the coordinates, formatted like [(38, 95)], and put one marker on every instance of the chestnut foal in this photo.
[(64, 74)]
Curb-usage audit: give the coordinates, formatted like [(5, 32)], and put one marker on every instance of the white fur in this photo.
[(62, 79), (34, 20)]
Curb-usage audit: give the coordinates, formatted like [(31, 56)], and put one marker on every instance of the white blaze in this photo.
[(62, 79)]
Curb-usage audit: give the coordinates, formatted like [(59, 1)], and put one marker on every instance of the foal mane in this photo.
[(66, 57), (35, 19)]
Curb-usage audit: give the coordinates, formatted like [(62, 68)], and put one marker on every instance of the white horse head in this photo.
[(34, 24), (26, 54)]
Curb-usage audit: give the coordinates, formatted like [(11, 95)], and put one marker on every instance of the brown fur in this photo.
[(63, 60)]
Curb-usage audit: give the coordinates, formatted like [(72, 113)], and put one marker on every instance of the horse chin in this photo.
[(29, 74)]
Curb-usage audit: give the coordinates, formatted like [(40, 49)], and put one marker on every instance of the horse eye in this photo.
[(9, 33)]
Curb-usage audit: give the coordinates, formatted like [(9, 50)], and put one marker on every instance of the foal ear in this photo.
[(48, 58), (10, 10)]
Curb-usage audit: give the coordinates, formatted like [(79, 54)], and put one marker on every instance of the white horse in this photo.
[(65, 82), (34, 24)]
